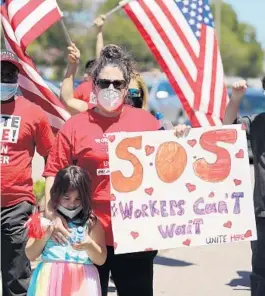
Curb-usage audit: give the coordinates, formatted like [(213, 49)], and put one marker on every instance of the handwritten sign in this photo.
[(170, 192)]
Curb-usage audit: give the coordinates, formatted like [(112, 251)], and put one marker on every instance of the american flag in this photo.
[(30, 18), (181, 35), (30, 82)]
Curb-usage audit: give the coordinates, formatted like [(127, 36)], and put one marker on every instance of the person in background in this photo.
[(255, 129), (24, 128), (137, 93), (69, 269), (83, 97), (83, 91), (88, 67)]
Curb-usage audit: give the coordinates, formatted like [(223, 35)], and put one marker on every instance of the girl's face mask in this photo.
[(69, 213)]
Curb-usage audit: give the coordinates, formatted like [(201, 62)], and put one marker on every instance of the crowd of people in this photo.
[(112, 98)]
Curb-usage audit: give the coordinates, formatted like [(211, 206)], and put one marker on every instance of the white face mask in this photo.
[(8, 90), (69, 213), (110, 98)]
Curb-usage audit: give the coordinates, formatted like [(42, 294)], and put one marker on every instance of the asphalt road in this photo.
[(216, 270)]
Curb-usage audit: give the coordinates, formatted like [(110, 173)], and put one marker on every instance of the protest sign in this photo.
[(169, 192)]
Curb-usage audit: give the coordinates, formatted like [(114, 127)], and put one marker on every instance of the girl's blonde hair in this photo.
[(143, 88)]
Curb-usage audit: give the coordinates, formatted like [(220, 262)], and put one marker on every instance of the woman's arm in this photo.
[(61, 155), (61, 232), (99, 22), (74, 106), (34, 247), (238, 92), (48, 185), (95, 245)]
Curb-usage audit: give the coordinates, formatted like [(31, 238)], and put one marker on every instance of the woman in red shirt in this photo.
[(82, 141)]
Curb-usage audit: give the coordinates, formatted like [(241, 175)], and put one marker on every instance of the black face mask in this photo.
[(134, 98), (135, 102)]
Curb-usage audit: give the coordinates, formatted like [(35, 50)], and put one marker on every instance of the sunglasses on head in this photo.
[(134, 93), (105, 83)]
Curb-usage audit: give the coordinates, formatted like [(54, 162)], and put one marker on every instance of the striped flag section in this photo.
[(31, 18), (181, 35), (30, 82)]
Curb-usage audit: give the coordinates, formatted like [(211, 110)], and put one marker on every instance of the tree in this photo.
[(241, 53), (114, 32), (50, 49)]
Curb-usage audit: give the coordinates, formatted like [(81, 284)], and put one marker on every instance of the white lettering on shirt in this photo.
[(9, 128)]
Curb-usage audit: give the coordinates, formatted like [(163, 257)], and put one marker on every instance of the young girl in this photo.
[(68, 269)]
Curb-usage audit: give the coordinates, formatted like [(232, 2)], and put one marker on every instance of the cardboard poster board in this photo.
[(170, 192)]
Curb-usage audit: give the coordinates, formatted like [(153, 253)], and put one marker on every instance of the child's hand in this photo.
[(83, 245)]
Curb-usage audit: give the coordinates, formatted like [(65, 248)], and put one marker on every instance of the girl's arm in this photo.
[(95, 245), (35, 247)]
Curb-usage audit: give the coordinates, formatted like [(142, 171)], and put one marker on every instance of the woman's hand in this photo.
[(182, 130), (99, 22), (49, 231), (84, 245), (238, 90), (61, 232), (73, 54)]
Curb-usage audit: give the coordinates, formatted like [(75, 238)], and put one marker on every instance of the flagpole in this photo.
[(218, 8), (121, 4), (64, 29), (108, 14), (65, 32)]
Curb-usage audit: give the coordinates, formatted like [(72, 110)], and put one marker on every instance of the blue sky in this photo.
[(253, 12)]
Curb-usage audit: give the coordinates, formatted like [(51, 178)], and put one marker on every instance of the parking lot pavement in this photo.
[(216, 270)]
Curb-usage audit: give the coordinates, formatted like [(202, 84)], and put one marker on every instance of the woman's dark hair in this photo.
[(89, 66), (263, 82), (113, 55), (74, 178)]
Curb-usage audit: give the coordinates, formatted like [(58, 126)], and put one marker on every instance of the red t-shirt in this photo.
[(84, 93), (82, 140), (24, 126)]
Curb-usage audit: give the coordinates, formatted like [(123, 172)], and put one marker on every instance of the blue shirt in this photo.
[(65, 253)]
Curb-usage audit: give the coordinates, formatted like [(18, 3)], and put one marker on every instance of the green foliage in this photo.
[(50, 49), (120, 30), (242, 54), (39, 189)]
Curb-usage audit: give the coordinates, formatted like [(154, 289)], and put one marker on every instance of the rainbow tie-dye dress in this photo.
[(64, 271)]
